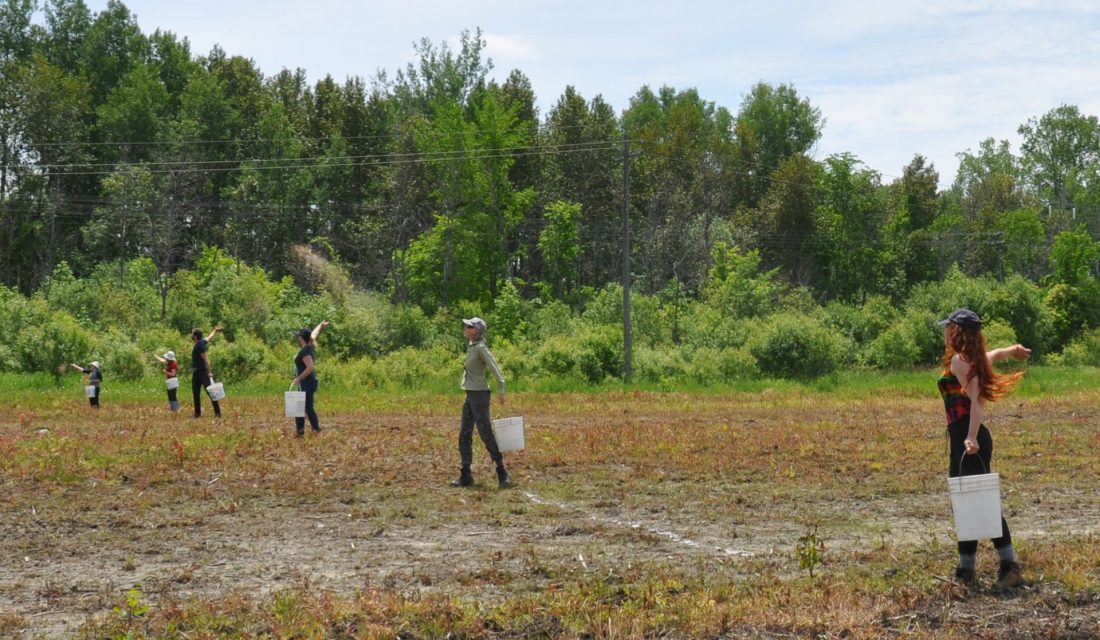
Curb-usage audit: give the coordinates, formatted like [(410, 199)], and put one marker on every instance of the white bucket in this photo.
[(976, 503), (89, 390), (295, 403), (509, 433), (172, 383), (216, 391)]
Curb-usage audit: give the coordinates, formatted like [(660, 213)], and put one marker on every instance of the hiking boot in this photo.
[(966, 576), (1008, 575), (465, 478), (503, 479)]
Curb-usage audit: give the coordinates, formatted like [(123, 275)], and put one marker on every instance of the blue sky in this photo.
[(892, 78)]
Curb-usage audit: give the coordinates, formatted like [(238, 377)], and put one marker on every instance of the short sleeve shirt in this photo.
[(197, 362)]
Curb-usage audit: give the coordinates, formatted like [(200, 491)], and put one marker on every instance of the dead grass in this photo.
[(634, 515)]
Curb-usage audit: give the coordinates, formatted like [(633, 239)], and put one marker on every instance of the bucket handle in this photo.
[(980, 459), (292, 387)]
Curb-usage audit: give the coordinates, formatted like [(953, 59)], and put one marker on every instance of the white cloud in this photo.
[(510, 49)]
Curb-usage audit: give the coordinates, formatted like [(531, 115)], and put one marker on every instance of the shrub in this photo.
[(647, 319), (705, 326), (1020, 303), (557, 356), (894, 348), (706, 366), (600, 353), (410, 368), (658, 365), (406, 326), (797, 346), (240, 359), (553, 318), (1084, 350), (737, 363), (862, 323), (123, 359), (49, 347), (510, 315)]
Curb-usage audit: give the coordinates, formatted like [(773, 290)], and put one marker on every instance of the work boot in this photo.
[(1008, 575), (503, 479), (966, 576), (465, 478)]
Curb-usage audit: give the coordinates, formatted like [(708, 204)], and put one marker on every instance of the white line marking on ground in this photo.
[(668, 535)]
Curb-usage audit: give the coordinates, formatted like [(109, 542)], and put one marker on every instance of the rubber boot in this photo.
[(503, 479), (465, 478)]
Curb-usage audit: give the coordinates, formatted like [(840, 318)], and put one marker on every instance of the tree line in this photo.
[(437, 185)]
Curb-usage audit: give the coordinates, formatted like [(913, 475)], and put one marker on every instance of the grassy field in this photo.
[(771, 510)]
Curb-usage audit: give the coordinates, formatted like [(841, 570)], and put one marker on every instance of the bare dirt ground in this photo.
[(689, 485)]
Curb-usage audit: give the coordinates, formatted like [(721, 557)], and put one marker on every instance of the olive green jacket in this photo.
[(478, 361)]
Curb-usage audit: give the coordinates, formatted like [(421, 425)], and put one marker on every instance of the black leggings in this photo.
[(200, 380), (972, 465)]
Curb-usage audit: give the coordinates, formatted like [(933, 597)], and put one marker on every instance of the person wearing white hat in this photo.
[(171, 372), (475, 411), (95, 378)]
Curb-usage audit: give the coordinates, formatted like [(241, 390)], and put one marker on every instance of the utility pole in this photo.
[(628, 346)]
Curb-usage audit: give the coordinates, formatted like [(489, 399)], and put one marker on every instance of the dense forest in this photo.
[(145, 188)]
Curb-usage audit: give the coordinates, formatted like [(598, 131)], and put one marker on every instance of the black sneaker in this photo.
[(966, 576), (1008, 575)]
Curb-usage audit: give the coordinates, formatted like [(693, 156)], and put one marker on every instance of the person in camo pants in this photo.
[(475, 411)]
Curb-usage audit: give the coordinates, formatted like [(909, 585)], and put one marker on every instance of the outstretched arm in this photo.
[(159, 359), (1017, 351), (317, 330), (76, 366), (213, 332)]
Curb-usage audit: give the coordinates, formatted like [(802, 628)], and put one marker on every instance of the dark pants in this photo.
[(973, 465), (200, 380), (476, 411), (173, 399), (94, 400), (300, 423)]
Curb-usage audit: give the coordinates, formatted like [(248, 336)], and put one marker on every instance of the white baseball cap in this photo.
[(475, 322)]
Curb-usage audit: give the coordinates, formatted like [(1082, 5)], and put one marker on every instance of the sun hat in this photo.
[(95, 363), (964, 318), (170, 356)]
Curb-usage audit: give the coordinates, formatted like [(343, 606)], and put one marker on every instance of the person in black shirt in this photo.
[(201, 372), (95, 378), (307, 376)]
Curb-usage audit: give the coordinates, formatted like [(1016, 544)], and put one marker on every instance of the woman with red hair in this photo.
[(967, 383)]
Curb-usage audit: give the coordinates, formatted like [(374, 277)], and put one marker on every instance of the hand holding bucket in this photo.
[(295, 402)]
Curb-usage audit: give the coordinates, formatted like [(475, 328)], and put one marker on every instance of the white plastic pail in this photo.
[(295, 403), (172, 383), (89, 390), (509, 433), (976, 503), (216, 391)]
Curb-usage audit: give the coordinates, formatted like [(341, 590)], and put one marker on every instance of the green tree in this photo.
[(773, 124), (559, 244), (1060, 151), (1073, 257), (850, 219)]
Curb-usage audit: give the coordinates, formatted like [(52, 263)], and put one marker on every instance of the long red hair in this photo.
[(970, 345)]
